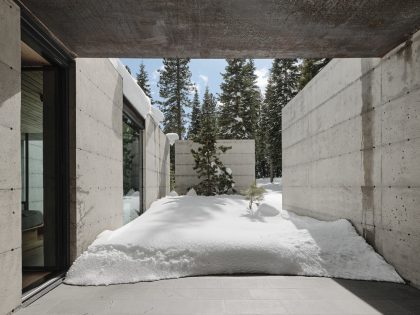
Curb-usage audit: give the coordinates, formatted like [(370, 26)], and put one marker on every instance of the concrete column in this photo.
[(10, 180)]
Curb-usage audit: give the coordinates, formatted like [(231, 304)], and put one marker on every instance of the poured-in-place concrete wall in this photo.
[(96, 152), (10, 181), (351, 149), (156, 162), (240, 159)]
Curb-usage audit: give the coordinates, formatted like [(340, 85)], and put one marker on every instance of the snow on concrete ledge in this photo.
[(133, 92)]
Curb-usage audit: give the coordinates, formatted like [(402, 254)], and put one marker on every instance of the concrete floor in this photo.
[(232, 295)]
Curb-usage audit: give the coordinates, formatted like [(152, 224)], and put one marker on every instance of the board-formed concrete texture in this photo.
[(351, 149), (229, 28), (96, 152), (156, 162), (229, 295), (240, 159), (10, 181)]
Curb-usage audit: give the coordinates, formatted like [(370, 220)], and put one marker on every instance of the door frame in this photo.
[(39, 39)]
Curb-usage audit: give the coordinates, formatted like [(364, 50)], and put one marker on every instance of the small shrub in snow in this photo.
[(254, 194)]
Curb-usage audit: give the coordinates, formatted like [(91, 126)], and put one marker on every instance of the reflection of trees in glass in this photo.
[(130, 135)]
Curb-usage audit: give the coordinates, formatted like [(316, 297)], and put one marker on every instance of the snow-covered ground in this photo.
[(192, 235)]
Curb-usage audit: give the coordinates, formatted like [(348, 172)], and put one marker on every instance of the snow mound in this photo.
[(187, 236), (267, 210), (192, 192), (173, 193)]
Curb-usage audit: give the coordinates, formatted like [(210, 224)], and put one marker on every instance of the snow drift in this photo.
[(193, 235)]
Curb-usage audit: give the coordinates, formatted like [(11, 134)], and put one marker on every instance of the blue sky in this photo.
[(204, 72)]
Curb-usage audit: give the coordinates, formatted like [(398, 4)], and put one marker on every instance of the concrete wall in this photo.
[(240, 159), (96, 152), (10, 181), (156, 162), (351, 149)]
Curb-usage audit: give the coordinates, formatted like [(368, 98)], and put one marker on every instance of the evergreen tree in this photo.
[(128, 69), (174, 88), (143, 81), (282, 87), (252, 100), (310, 68), (231, 125), (261, 160), (217, 179), (240, 98), (195, 124)]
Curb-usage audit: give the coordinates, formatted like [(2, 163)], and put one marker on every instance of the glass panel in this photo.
[(132, 170), (39, 173), (32, 169)]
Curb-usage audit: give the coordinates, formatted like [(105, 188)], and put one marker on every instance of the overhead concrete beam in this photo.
[(228, 28)]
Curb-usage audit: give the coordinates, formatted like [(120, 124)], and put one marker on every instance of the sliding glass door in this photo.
[(44, 165)]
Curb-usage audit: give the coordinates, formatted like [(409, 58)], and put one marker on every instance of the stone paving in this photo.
[(232, 295)]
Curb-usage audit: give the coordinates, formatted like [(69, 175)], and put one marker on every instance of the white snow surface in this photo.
[(131, 90), (195, 235), (192, 192), (172, 137)]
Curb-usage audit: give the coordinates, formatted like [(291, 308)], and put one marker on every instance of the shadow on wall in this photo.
[(385, 297)]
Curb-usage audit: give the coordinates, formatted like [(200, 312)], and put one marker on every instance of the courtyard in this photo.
[(218, 295)]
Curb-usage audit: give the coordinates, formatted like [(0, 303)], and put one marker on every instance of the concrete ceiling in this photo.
[(229, 28)]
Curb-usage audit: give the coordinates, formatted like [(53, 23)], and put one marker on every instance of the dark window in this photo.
[(133, 126)]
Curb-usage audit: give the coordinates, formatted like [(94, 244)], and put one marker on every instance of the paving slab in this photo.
[(236, 295)]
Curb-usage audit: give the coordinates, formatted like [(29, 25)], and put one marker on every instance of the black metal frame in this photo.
[(131, 113), (138, 122), (39, 39)]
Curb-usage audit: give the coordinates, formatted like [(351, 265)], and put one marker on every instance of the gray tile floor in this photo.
[(232, 295)]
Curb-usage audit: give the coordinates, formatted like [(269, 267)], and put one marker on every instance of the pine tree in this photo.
[(217, 179), (231, 125), (254, 194), (143, 81), (128, 69), (174, 88), (261, 160), (195, 124), (310, 68), (282, 87), (252, 100), (240, 100)]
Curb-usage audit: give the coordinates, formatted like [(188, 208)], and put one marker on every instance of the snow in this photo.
[(238, 119), (267, 210), (172, 137), (196, 235), (192, 192), (173, 193), (136, 96), (229, 170), (156, 115), (131, 90)]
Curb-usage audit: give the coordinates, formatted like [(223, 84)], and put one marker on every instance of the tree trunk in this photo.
[(271, 171)]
